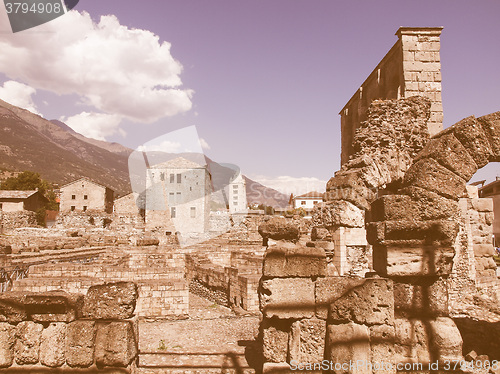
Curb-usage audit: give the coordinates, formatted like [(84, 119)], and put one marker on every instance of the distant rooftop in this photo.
[(313, 194), (6, 194)]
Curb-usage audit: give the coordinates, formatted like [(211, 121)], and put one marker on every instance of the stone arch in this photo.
[(413, 231)]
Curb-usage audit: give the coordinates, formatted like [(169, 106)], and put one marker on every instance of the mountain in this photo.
[(61, 155)]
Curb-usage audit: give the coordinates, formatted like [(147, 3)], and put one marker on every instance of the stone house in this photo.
[(19, 201), (307, 201), (177, 196), (85, 195)]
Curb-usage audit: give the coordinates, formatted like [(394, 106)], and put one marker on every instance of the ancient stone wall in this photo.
[(12, 220), (61, 331), (411, 68)]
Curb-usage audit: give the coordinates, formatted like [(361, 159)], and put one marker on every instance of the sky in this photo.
[(263, 81)]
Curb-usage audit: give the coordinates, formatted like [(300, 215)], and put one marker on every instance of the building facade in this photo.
[(237, 195), (18, 201), (307, 201), (85, 195)]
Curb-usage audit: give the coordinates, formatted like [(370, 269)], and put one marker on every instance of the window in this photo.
[(303, 202), (162, 176), (235, 197), (73, 197), (172, 178), (171, 197), (235, 203), (179, 178), (73, 208), (84, 208), (235, 187), (193, 212), (172, 212), (85, 197), (315, 202), (178, 197)]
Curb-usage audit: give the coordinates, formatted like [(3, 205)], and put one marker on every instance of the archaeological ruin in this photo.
[(394, 272)]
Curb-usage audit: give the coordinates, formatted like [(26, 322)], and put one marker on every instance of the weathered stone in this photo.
[(392, 208), (491, 127), (471, 134), (338, 213), (12, 307), (307, 340), (411, 341), (430, 175), (329, 289), (349, 186), (287, 298), (290, 260), (348, 343), (411, 232), (7, 341), (371, 303), (319, 233), (412, 261), (450, 153), (276, 368), (446, 339), (111, 301), (52, 345), (430, 205), (53, 306), (142, 242), (115, 344), (421, 297), (275, 340), (482, 204), (279, 228), (382, 339), (80, 339), (483, 250), (28, 334)]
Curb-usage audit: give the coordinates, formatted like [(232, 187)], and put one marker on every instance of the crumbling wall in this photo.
[(12, 220), (60, 331), (385, 145)]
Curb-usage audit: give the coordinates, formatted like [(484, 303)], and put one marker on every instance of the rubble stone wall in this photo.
[(64, 332), (13, 220)]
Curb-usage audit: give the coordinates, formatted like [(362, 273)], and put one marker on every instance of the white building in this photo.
[(178, 194), (307, 201), (237, 195)]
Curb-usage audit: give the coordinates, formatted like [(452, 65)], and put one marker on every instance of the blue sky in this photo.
[(262, 80)]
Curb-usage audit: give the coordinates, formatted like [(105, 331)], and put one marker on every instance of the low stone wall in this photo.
[(13, 220), (60, 331)]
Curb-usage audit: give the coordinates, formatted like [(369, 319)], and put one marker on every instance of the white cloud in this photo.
[(94, 125), (288, 185), (19, 94), (118, 70), (204, 144)]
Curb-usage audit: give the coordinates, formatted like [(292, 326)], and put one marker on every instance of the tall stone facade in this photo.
[(412, 67), (85, 195)]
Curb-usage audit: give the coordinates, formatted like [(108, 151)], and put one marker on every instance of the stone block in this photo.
[(287, 298), (291, 260), (28, 335), (470, 133), (412, 261), (430, 205), (411, 341), (350, 186), (430, 175), (319, 233), (370, 303), (339, 213), (115, 344), (53, 306), (307, 340), (7, 341), (80, 340), (421, 297), (279, 228), (446, 339), (392, 208), (52, 345), (275, 340), (382, 339), (276, 368), (438, 233), (12, 307), (482, 204), (483, 250), (450, 153), (491, 127), (329, 289), (111, 301), (348, 343)]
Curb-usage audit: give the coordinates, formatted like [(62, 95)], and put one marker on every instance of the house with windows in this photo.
[(307, 201), (177, 196), (85, 195)]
